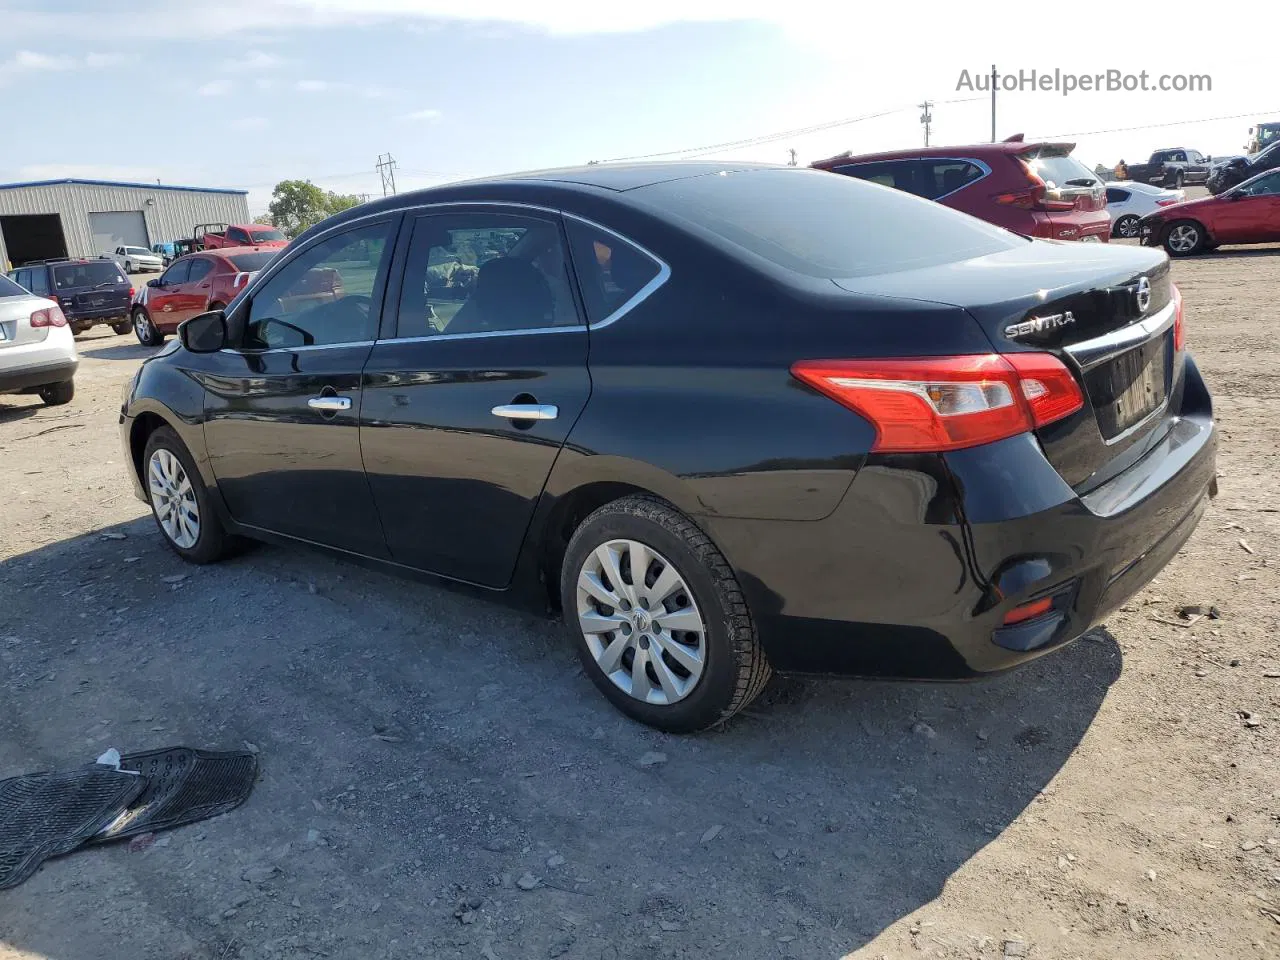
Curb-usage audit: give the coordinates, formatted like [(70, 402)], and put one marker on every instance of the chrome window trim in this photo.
[(306, 348), (483, 334), (1090, 353)]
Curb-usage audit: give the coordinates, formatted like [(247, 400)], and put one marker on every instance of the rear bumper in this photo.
[(902, 581), (37, 375), (82, 317)]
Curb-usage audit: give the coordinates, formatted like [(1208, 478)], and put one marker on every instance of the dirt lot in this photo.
[(426, 756)]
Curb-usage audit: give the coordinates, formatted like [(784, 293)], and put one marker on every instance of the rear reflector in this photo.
[(933, 404), (1166, 201), (1178, 334), (1029, 611), (48, 317)]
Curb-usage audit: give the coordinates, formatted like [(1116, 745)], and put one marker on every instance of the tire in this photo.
[(79, 328), (1184, 238), (128, 266), (56, 394), (732, 667), (172, 481), (145, 330), (1126, 226), (1178, 180), (122, 328)]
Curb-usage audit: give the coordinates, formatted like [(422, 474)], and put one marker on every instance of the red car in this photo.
[(1247, 213), (1035, 189), (213, 236), (193, 284)]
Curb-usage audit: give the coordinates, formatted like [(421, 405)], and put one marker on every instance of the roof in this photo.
[(971, 149), (621, 176), (119, 183)]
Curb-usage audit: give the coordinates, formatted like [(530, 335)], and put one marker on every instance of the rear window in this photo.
[(249, 262), (10, 289), (1060, 171), (95, 273), (826, 225)]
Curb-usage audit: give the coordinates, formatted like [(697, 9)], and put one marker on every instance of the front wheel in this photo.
[(128, 266), (145, 330), (180, 501), (658, 617), (1127, 226), (1177, 180), (1184, 238)]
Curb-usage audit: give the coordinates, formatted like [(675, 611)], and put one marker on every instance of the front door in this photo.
[(283, 408), (468, 401), (1255, 216), (165, 296)]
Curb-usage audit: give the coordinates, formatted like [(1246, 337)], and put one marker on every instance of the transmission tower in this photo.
[(926, 118), (387, 171)]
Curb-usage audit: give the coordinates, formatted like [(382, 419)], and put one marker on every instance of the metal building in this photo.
[(83, 218)]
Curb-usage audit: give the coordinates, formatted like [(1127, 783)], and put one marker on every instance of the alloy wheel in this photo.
[(140, 327), (640, 622), (1127, 226), (1184, 238), (174, 499)]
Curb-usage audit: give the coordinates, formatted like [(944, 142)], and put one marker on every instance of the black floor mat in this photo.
[(45, 815), (181, 786)]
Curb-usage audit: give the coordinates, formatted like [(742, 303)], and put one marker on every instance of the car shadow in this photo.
[(420, 748), (11, 412), (1242, 253), (131, 350)]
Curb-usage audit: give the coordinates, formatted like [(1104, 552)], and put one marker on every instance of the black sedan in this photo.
[(726, 420)]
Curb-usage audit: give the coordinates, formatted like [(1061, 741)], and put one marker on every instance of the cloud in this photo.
[(98, 60), (214, 88), (428, 114), (32, 61), (252, 62), (319, 86), (249, 123)]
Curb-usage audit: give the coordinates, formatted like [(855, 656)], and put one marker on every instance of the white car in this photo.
[(137, 259), (1128, 201), (37, 348)]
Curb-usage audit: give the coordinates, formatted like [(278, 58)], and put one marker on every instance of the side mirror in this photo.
[(154, 282), (205, 332)]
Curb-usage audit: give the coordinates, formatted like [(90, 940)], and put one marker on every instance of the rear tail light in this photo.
[(1166, 201), (1178, 334), (48, 317), (132, 292), (933, 404)]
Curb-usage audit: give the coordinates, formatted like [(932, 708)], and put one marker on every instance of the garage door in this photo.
[(124, 229)]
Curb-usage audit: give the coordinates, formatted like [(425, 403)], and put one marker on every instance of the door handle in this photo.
[(526, 411), (329, 404)]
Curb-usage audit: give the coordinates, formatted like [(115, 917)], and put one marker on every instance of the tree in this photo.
[(298, 204)]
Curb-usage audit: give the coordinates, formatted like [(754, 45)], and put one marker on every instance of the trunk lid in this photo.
[(15, 321), (1080, 302)]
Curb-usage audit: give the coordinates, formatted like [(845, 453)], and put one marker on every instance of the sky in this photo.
[(245, 93)]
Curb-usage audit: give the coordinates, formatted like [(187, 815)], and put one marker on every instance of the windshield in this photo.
[(249, 262), (261, 234), (822, 224), (94, 273), (142, 250)]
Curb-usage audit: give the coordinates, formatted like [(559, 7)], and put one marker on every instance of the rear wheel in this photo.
[(1184, 238), (1127, 226), (658, 618), (1177, 180), (180, 501), (121, 328), (56, 394), (145, 330)]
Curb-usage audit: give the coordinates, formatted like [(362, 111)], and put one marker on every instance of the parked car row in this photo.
[(724, 419), (37, 348), (87, 292), (191, 285)]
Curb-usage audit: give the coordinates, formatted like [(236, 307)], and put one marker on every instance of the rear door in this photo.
[(472, 392)]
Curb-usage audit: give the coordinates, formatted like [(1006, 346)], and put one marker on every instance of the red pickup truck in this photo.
[(211, 236)]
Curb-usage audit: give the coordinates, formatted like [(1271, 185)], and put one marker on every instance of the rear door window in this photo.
[(200, 268), (900, 174), (39, 284), (945, 176), (612, 273), (812, 223)]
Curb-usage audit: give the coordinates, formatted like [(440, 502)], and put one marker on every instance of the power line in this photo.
[(1153, 126)]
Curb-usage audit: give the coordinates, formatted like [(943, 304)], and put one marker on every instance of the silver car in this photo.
[(37, 348)]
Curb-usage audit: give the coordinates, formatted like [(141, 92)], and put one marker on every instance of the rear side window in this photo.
[(10, 289), (40, 282), (1115, 195), (238, 236), (820, 225), (611, 271), (95, 273), (1060, 170)]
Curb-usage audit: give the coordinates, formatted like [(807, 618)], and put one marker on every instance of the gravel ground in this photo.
[(439, 780)]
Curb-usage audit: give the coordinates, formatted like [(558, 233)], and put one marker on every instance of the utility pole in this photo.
[(995, 77), (792, 162), (387, 171), (926, 118)]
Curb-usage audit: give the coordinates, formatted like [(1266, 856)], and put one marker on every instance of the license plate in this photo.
[(97, 301), (2, 333), (1129, 388), (1090, 239)]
